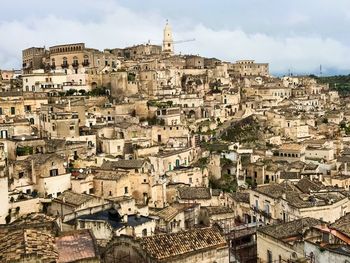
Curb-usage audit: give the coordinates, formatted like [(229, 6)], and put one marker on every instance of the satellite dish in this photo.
[(23, 138), (81, 170)]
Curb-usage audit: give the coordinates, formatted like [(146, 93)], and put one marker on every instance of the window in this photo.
[(75, 61), (71, 127), (13, 111), (53, 172), (126, 190), (144, 232), (269, 256), (0, 111), (28, 108), (64, 62), (20, 174)]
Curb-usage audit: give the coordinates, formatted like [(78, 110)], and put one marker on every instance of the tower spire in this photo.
[(168, 43)]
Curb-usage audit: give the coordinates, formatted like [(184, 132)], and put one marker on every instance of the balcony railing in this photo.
[(261, 212), (65, 65), (86, 63), (75, 64)]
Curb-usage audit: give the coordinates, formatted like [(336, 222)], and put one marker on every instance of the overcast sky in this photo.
[(299, 35)]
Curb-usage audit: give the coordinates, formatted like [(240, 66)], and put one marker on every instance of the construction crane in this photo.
[(183, 41), (174, 42)]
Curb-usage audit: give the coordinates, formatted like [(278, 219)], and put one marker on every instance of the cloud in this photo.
[(298, 53), (111, 24)]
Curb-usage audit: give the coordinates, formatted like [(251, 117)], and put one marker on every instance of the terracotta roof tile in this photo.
[(167, 246), (76, 245), (194, 193), (23, 243)]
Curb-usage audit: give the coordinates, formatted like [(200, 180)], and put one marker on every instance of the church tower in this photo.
[(168, 43)]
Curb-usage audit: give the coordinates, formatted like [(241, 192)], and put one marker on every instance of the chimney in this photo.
[(125, 218), (138, 216)]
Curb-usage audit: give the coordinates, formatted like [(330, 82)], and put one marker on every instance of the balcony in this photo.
[(75, 64), (86, 63), (53, 66), (262, 212), (65, 65)]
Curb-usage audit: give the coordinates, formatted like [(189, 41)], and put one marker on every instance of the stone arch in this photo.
[(123, 247)]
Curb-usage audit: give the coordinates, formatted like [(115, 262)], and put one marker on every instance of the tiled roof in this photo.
[(76, 245), (109, 175), (241, 197), (289, 175), (168, 246), (43, 158), (33, 218), (216, 192), (170, 212), (311, 167), (317, 199), (271, 190), (343, 224), (306, 186), (194, 193), (216, 210), (24, 243), (123, 164), (289, 229), (167, 213), (75, 199)]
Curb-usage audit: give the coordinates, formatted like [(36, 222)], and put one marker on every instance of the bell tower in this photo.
[(168, 43)]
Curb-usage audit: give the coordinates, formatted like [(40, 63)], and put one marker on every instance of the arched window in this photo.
[(75, 61), (86, 61), (64, 62)]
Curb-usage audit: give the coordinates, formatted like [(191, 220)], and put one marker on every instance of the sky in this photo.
[(295, 35)]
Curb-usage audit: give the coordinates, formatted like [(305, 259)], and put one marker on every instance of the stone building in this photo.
[(59, 121), (177, 217), (168, 43), (107, 224), (284, 241), (196, 245), (32, 58), (244, 68), (286, 202), (70, 202), (111, 183)]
